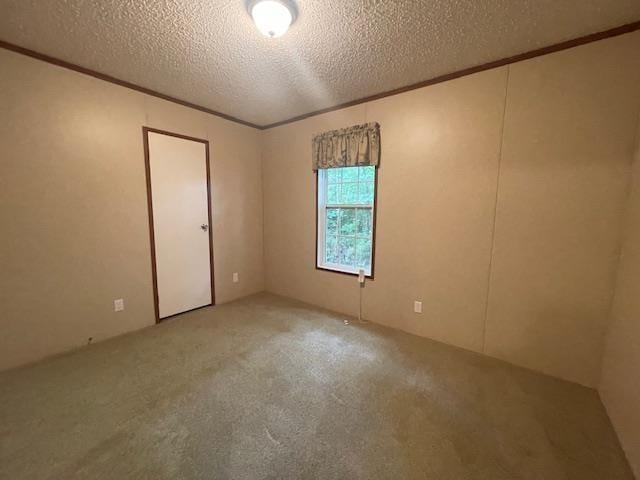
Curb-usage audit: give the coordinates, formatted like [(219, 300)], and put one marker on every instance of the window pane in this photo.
[(365, 193), (331, 250), (332, 221), (349, 193), (363, 253), (334, 175), (367, 174), (348, 221), (347, 250), (363, 222), (333, 193), (349, 174)]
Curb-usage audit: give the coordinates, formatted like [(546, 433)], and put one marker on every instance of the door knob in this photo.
[(204, 227)]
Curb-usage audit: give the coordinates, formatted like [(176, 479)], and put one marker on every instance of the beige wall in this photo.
[(500, 206), (73, 212), (567, 148), (620, 384), (436, 195)]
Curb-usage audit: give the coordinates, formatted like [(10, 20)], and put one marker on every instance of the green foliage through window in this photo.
[(349, 195)]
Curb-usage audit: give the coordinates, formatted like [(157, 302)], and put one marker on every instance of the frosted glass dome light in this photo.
[(272, 17)]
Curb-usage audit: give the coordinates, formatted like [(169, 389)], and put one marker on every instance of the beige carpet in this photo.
[(266, 388)]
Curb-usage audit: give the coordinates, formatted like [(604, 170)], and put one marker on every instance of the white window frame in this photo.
[(322, 206)]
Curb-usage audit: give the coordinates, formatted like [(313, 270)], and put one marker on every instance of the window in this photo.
[(346, 214)]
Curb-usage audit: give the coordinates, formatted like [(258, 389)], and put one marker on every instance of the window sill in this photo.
[(344, 272)]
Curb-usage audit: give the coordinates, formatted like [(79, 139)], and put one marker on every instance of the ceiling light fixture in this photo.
[(272, 17)]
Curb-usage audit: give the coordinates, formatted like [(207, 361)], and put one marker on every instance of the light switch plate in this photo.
[(235, 277), (417, 307), (118, 305)]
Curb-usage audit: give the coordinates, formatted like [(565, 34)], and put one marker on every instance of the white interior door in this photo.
[(180, 204)]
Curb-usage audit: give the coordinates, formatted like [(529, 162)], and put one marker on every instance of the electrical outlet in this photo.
[(235, 277), (118, 305), (417, 307)]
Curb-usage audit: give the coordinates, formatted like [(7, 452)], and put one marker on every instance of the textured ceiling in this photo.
[(208, 52)]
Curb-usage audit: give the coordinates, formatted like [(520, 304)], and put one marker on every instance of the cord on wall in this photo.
[(361, 279), (361, 285)]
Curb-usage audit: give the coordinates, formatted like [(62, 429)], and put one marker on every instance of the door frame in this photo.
[(147, 164)]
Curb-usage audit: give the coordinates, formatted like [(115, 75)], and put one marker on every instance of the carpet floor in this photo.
[(269, 388)]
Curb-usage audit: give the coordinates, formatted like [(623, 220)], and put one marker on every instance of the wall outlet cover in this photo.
[(235, 277), (118, 305), (417, 307)]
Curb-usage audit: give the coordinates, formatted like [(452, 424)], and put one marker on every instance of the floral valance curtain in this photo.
[(348, 147)]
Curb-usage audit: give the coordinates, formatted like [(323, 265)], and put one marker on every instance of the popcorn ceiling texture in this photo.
[(208, 52)]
